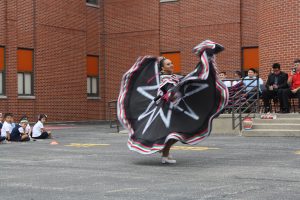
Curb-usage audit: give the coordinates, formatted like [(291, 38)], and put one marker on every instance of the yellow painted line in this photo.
[(184, 148), (85, 145), (297, 152)]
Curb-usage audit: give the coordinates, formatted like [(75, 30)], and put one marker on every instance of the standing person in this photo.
[(168, 80), (277, 80), (19, 132), (294, 90), (159, 108), (7, 126), (38, 131)]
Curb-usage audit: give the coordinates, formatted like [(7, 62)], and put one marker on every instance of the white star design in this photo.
[(153, 111)]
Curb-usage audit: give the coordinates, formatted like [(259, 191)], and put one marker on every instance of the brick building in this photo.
[(66, 58)]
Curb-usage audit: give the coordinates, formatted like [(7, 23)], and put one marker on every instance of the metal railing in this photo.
[(112, 115), (244, 101)]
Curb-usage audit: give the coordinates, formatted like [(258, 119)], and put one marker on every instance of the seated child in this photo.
[(28, 128), (20, 133), (38, 131), (7, 126)]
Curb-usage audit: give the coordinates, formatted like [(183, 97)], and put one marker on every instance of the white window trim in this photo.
[(3, 97), (93, 5), (93, 98), (26, 97), (164, 1)]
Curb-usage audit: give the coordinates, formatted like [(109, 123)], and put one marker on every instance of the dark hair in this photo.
[(41, 116), (252, 69), (8, 115), (223, 73), (161, 63), (276, 66), (23, 117), (238, 73), (297, 61)]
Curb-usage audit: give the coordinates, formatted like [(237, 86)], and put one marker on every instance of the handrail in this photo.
[(244, 101)]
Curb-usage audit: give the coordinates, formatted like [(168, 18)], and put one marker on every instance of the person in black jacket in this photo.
[(277, 80)]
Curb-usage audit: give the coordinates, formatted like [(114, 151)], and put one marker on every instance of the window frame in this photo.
[(24, 85), (25, 72), (3, 72), (91, 94), (90, 79)]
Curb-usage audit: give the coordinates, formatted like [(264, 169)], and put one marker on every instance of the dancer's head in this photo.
[(166, 66)]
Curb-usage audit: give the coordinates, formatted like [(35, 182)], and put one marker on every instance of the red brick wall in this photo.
[(63, 33), (170, 40), (184, 24), (279, 34), (131, 30), (249, 23), (61, 42)]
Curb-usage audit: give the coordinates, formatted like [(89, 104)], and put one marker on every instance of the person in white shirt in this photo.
[(7, 126), (223, 77), (28, 128), (39, 131), (19, 132), (248, 81)]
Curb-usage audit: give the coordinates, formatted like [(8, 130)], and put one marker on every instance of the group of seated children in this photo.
[(22, 131)]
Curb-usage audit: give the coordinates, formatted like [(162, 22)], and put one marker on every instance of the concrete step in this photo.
[(277, 121), (271, 133), (275, 126)]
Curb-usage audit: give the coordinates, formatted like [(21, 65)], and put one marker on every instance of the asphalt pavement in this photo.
[(92, 162)]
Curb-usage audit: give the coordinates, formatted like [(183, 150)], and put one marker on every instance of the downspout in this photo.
[(103, 40), (34, 57)]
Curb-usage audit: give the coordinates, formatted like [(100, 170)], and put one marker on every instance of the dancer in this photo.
[(160, 108)]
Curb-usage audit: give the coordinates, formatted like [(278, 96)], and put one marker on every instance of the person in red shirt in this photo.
[(294, 90)]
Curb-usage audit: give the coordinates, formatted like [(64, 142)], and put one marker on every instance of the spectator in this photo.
[(28, 128), (237, 76), (7, 126), (19, 133), (1, 124), (248, 80), (294, 90), (38, 131), (223, 77), (277, 80)]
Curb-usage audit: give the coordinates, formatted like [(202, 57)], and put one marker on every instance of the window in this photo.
[(92, 75), (25, 72), (175, 58), (250, 58), (92, 2), (2, 68)]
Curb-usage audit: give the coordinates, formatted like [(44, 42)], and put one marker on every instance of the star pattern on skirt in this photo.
[(153, 110)]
